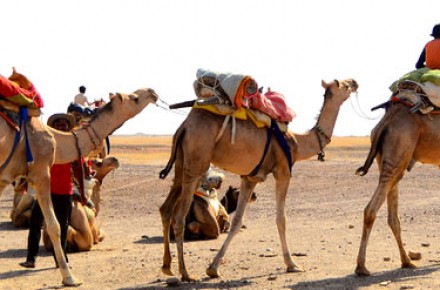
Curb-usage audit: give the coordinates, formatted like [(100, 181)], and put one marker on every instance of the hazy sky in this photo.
[(290, 46)]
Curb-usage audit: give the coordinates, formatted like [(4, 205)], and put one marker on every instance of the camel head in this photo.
[(104, 166), (132, 104), (340, 89)]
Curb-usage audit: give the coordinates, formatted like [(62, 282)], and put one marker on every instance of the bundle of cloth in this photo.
[(242, 92), (19, 90), (419, 82)]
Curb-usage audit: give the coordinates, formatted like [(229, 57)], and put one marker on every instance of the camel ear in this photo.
[(117, 95), (132, 96), (324, 84)]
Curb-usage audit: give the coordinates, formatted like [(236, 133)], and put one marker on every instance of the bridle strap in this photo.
[(320, 133), (93, 135), (78, 148)]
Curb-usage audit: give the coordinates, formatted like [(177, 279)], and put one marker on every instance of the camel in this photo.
[(195, 148), (400, 139), (230, 199), (208, 216), (83, 231), (49, 146), (22, 203)]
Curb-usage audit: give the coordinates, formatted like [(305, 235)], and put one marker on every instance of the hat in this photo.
[(68, 117), (436, 31)]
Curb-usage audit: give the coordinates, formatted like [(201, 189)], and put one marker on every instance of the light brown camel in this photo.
[(50, 146), (194, 148), (400, 139), (83, 231)]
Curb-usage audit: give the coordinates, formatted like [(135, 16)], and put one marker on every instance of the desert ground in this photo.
[(324, 223)]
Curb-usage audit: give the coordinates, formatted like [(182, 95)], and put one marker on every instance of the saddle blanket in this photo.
[(15, 92), (259, 119), (243, 91)]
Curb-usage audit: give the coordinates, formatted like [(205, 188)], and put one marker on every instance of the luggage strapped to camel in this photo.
[(418, 89), (237, 96), (19, 100)]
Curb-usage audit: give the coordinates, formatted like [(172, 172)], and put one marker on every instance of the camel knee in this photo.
[(369, 217)]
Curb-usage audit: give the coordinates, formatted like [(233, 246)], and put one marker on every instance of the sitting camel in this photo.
[(83, 231), (195, 147), (23, 203), (49, 146), (230, 199), (208, 217), (400, 139)]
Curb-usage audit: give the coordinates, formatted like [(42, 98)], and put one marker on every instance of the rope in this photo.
[(359, 112), (166, 107)]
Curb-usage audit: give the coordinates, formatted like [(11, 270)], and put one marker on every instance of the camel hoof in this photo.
[(71, 281), (211, 272), (409, 265), (294, 269), (189, 278), (167, 271), (362, 271)]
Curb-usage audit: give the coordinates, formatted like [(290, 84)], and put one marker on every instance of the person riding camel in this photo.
[(430, 56)]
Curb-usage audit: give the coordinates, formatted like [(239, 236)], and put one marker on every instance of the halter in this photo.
[(93, 135), (320, 133)]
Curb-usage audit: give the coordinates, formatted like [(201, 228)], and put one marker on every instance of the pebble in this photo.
[(173, 281), (415, 255)]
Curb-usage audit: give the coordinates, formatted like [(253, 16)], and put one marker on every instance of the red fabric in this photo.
[(433, 54), (19, 95), (61, 179), (274, 105)]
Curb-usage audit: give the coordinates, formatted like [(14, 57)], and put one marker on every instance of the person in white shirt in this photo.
[(81, 98)]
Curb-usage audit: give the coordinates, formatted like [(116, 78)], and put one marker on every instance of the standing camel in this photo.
[(400, 139), (50, 146), (194, 148)]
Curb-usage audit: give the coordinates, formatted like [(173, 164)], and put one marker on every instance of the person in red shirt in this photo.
[(430, 56), (61, 187)]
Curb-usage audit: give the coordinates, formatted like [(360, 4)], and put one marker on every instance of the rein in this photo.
[(93, 137), (320, 133)]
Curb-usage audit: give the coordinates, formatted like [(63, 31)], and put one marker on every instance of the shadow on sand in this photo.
[(350, 282)]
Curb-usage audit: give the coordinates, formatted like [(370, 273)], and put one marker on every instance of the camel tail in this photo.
[(177, 140), (376, 142)]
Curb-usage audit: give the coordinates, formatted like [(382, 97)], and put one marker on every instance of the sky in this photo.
[(289, 46)]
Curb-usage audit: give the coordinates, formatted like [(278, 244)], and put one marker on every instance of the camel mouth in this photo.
[(352, 85)]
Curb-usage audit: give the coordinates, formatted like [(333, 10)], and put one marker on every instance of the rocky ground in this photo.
[(324, 213)]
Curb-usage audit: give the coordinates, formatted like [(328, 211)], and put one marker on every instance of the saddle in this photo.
[(239, 96), (419, 89)]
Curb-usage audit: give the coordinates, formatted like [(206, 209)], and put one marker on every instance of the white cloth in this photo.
[(81, 99)]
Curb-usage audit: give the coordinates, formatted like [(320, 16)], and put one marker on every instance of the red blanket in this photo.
[(19, 90), (272, 104)]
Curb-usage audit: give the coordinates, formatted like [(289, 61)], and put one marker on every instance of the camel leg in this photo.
[(370, 213), (165, 212), (180, 212), (246, 190), (394, 223), (391, 172), (167, 209), (281, 192), (42, 189)]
